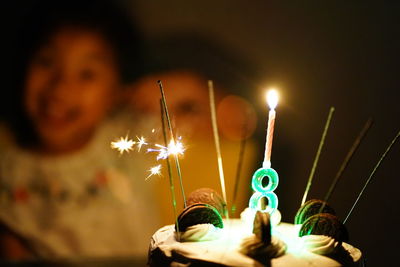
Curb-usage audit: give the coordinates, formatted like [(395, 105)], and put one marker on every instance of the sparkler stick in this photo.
[(372, 175), (346, 161), (178, 168), (321, 144), (216, 140), (171, 182), (242, 149), (348, 157)]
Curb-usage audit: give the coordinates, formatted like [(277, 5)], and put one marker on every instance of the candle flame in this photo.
[(272, 98), (123, 144)]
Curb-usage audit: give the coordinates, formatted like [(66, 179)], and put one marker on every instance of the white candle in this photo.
[(272, 100)]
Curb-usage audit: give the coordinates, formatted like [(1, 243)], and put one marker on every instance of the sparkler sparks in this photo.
[(141, 141), (156, 170), (176, 148), (123, 144), (172, 149)]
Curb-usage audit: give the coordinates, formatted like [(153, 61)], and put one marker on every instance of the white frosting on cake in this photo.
[(319, 244), (201, 232), (166, 250)]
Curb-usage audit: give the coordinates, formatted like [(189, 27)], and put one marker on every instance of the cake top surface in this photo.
[(224, 250)]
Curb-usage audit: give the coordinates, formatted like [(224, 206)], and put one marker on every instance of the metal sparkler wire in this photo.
[(171, 182), (178, 168), (372, 175), (217, 144), (321, 144), (346, 161)]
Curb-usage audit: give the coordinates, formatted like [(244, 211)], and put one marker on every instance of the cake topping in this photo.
[(325, 224), (319, 244), (262, 227), (260, 246), (201, 232), (199, 214), (310, 208), (207, 196)]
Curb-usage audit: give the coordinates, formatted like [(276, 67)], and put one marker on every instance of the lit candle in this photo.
[(266, 172), (272, 100)]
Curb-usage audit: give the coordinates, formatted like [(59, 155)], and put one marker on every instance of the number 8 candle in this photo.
[(266, 171)]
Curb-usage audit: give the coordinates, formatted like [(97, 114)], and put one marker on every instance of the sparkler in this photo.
[(217, 145), (321, 144), (372, 175), (346, 161), (156, 170), (172, 149), (178, 168), (123, 144), (240, 163), (141, 141), (171, 182)]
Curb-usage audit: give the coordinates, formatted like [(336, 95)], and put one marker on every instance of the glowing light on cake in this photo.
[(123, 144), (156, 170), (265, 190)]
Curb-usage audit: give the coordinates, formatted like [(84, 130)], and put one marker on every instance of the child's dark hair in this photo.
[(43, 19)]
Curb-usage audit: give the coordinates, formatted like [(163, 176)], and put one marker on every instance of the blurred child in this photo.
[(63, 191), (188, 103)]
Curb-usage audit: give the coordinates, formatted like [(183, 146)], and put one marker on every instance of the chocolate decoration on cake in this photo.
[(260, 246), (207, 196), (199, 213), (310, 208), (262, 227), (325, 224)]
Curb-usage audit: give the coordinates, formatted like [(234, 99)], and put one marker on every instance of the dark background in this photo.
[(319, 54)]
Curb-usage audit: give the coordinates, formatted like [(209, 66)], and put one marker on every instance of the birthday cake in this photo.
[(200, 237), (227, 248), (205, 239)]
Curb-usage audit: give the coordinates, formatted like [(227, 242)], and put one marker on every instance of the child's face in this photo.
[(187, 97), (70, 86)]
